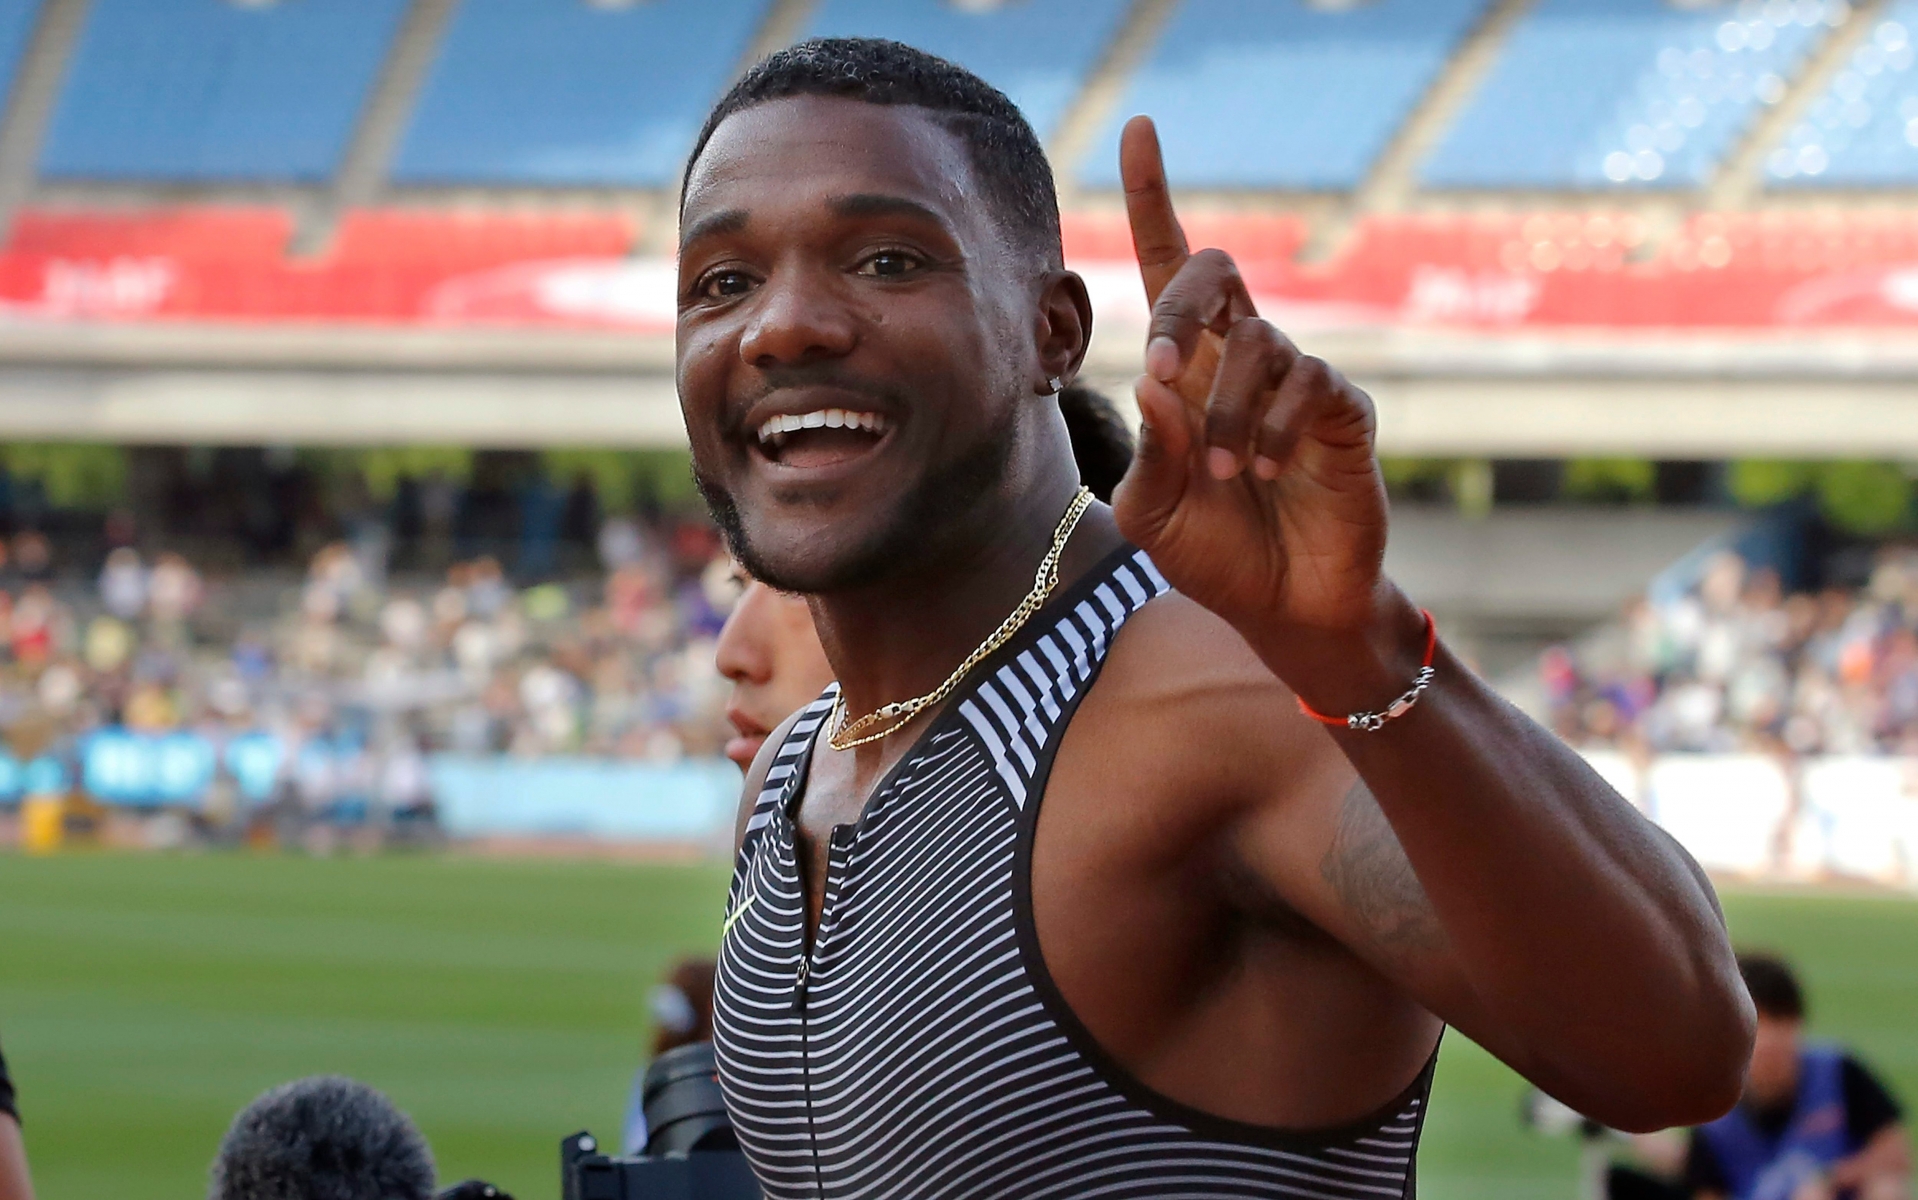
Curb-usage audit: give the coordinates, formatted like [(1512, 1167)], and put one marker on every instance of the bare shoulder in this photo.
[(1178, 665), (1192, 719)]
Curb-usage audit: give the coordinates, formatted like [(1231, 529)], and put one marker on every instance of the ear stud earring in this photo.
[(1055, 385)]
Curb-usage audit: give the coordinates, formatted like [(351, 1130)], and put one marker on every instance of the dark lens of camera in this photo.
[(683, 1106)]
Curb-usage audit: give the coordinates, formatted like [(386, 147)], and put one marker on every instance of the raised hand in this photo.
[(1256, 490)]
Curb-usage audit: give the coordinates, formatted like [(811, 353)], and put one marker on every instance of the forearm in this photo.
[(1588, 940), (15, 1183)]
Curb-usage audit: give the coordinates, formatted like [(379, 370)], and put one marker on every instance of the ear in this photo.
[(1064, 327)]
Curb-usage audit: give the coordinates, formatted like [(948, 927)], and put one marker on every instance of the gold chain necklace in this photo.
[(846, 736)]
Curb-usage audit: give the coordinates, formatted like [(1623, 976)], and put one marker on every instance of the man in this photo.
[(995, 930), (1814, 1122), (768, 648)]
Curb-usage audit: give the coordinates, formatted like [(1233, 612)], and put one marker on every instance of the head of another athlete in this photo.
[(871, 304)]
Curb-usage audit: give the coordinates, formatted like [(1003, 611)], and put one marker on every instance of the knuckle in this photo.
[(1313, 372), (1174, 307), (1215, 261), (1256, 331)]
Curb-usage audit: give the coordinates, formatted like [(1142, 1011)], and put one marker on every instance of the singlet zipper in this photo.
[(802, 976), (805, 1068)]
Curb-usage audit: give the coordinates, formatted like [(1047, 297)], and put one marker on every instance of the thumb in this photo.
[(1152, 488)]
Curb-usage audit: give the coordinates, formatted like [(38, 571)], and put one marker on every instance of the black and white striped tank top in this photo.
[(920, 1049)]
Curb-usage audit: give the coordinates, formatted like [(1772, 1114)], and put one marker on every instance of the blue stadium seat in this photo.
[(16, 26), (1607, 94), (1283, 94), (210, 89), (1863, 132), (1038, 52), (563, 92)]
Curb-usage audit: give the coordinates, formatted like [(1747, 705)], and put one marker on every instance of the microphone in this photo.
[(324, 1137)]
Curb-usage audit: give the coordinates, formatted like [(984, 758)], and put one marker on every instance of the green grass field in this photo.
[(143, 1000)]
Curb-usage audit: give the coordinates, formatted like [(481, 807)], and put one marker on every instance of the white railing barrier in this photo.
[(1820, 819)]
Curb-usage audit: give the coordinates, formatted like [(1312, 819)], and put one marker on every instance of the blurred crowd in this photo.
[(1734, 662), (355, 674)]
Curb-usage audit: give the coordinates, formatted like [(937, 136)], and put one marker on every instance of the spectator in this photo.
[(322, 1138), (1814, 1122), (1732, 663), (123, 584)]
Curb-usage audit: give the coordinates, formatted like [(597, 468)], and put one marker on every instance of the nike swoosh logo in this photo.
[(732, 918)]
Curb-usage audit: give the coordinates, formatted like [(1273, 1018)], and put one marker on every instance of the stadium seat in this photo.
[(1282, 93), (1037, 52), (16, 27), (569, 93), (190, 234), (1600, 94), (1863, 132), (210, 89)]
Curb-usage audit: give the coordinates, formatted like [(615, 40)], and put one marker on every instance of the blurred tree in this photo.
[(1610, 480), (383, 466), (1864, 497), (1758, 482), (72, 475), (1419, 480)]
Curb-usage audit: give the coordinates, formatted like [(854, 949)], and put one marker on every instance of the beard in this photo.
[(922, 523)]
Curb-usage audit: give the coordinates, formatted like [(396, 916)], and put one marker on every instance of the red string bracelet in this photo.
[(1372, 722)]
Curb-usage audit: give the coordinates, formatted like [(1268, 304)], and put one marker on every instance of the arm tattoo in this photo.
[(1371, 875)]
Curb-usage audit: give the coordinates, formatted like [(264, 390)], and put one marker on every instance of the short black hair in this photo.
[(1773, 986), (322, 1138), (1006, 155)]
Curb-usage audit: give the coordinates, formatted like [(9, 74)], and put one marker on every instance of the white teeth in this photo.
[(774, 429)]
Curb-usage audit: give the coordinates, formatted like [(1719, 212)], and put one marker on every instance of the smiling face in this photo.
[(859, 341)]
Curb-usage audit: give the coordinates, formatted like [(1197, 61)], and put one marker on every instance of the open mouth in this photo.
[(821, 438)]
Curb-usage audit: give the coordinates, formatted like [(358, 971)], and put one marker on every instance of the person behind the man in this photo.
[(1814, 1122), (1118, 918)]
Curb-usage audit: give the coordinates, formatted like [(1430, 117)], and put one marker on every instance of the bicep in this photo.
[(1327, 850)]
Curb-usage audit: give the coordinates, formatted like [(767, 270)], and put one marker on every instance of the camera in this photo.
[(691, 1152)]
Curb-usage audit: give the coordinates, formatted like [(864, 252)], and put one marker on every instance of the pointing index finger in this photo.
[(1157, 239)]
